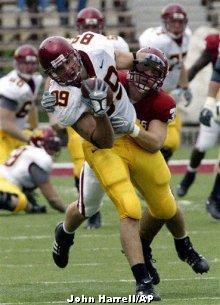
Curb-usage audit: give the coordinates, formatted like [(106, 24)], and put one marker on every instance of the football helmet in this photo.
[(90, 19), (47, 139), (26, 61), (175, 20), (153, 77), (60, 61)]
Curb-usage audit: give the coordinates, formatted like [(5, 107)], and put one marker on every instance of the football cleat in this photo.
[(185, 184), (213, 208), (61, 246), (188, 254), (146, 288), (94, 222), (148, 259)]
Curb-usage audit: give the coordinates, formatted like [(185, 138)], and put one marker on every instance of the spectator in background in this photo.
[(62, 8), (33, 7), (81, 5)]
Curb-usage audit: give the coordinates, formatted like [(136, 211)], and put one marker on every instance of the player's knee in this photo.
[(129, 206), (166, 210)]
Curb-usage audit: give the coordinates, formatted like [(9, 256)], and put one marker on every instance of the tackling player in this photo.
[(208, 135), (173, 39), (18, 92), (28, 168)]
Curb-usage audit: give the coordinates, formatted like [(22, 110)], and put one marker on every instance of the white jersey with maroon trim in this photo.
[(159, 38), (15, 88), (99, 62), (118, 43), (16, 168)]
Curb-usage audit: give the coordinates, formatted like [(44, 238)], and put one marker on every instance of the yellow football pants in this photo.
[(75, 150), (172, 140), (8, 187), (126, 162)]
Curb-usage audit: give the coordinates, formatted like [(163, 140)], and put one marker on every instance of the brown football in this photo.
[(90, 82)]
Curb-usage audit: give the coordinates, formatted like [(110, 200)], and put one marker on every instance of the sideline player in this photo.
[(173, 39), (29, 167), (18, 92), (208, 135)]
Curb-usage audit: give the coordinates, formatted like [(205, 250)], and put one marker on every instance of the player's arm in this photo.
[(129, 61), (153, 138), (41, 179), (214, 84), (200, 63), (8, 119), (95, 129), (211, 108), (183, 80)]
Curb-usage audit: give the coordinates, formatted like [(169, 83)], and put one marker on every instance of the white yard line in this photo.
[(210, 278)]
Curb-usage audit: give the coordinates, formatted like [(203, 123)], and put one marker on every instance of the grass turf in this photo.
[(29, 276)]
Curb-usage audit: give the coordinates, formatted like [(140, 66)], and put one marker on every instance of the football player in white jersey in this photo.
[(18, 92), (210, 117), (209, 132), (27, 168), (92, 20), (173, 39), (89, 19), (68, 67)]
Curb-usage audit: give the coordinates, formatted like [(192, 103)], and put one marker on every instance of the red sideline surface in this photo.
[(176, 167)]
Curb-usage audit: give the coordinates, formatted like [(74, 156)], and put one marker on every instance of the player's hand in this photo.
[(209, 112), (187, 93), (97, 100), (48, 101), (121, 125)]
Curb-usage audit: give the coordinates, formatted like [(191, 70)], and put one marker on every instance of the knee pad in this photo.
[(166, 209), (128, 205), (196, 158)]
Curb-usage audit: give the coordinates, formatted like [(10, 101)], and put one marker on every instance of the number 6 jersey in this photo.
[(16, 90)]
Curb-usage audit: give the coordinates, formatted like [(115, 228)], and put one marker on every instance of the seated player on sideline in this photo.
[(29, 167)]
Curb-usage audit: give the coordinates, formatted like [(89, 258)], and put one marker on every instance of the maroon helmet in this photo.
[(90, 19), (26, 61), (47, 139), (60, 61), (175, 20), (153, 77)]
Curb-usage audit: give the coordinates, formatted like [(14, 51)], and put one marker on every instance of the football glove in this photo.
[(48, 101), (121, 125), (97, 101), (208, 112)]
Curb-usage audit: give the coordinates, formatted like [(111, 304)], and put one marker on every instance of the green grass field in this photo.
[(29, 276)]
